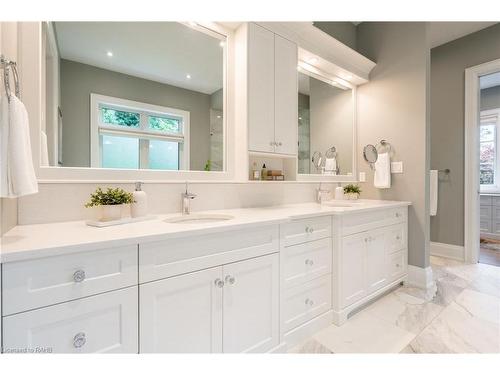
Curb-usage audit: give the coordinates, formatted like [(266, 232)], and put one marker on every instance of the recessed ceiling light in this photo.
[(188, 76), (109, 53), (312, 60)]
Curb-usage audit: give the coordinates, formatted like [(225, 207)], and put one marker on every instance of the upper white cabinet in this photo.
[(272, 92)]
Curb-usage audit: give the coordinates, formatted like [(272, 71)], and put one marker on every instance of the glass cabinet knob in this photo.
[(79, 276), (219, 283), (79, 340)]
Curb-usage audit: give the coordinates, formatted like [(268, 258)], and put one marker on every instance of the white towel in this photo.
[(382, 177), (44, 151), (17, 175), (330, 165), (434, 182)]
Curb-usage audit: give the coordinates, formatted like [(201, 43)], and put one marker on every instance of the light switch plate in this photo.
[(397, 167), (362, 177)]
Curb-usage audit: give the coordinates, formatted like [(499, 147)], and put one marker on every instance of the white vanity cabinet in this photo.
[(370, 256), (211, 293), (231, 309), (272, 92)]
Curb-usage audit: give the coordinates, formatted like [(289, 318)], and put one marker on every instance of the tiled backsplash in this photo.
[(64, 202)]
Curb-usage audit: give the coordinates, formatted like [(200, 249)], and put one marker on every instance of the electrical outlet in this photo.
[(362, 177), (397, 167)]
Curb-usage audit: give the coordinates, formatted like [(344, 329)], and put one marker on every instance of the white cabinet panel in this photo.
[(42, 282), (397, 265), (260, 89), (306, 261), (182, 314), (251, 305), (376, 259), (285, 98), (105, 323), (396, 238), (352, 268), (163, 259)]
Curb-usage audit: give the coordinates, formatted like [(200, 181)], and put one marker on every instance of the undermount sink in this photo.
[(198, 218), (340, 204)]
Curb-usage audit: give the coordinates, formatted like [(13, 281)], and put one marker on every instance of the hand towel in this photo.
[(44, 151), (434, 182), (17, 175), (330, 165), (382, 176)]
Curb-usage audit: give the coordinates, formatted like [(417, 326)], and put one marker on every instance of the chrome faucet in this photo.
[(186, 201), (319, 193)]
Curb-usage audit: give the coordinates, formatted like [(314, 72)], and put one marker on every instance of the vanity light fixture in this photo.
[(188, 76), (109, 54)]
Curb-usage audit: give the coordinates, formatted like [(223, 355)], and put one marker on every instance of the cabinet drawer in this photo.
[(495, 201), (42, 282), (300, 231), (307, 261), (485, 200), (485, 212), (395, 238), (485, 226), (363, 221), (106, 323), (304, 302), (159, 260), (397, 265)]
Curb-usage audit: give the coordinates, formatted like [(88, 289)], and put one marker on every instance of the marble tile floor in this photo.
[(462, 315)]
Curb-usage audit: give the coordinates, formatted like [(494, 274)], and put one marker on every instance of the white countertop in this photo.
[(41, 240)]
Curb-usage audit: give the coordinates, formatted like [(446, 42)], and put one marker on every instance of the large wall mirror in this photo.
[(325, 126), (133, 95)]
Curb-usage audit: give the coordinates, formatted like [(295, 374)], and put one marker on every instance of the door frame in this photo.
[(471, 156)]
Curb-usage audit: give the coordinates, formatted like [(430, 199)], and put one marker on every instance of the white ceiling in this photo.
[(443, 32), (490, 80), (159, 51)]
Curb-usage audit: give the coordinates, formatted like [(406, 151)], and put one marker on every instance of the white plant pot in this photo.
[(352, 196), (111, 212)]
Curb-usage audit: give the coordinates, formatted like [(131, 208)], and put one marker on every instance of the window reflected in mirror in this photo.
[(133, 95), (325, 127)]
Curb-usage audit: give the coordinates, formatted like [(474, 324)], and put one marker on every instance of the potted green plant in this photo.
[(110, 202), (352, 191)]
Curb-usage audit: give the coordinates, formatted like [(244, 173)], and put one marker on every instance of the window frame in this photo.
[(495, 114), (98, 127)]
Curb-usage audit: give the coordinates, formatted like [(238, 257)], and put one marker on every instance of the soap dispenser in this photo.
[(140, 205), (339, 192)]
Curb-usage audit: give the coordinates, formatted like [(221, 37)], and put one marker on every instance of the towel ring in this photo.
[(383, 146)]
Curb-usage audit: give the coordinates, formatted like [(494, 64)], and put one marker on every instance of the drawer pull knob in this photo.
[(79, 340), (398, 237), (309, 302), (397, 214), (79, 276), (398, 265), (219, 283), (280, 144), (230, 280), (309, 230), (309, 262)]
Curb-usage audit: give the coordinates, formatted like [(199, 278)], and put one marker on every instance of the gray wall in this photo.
[(8, 214), (344, 32), (394, 106), (490, 98), (331, 114), (78, 81), (448, 64)]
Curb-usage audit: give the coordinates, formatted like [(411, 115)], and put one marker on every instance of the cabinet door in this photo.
[(104, 323), (285, 96), (182, 314), (376, 259), (353, 268), (251, 302), (260, 89)]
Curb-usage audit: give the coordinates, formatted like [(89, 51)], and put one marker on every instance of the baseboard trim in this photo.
[(448, 251), (306, 330), (420, 277)]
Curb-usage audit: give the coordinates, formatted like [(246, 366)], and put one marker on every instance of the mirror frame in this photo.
[(313, 72), (33, 96)]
